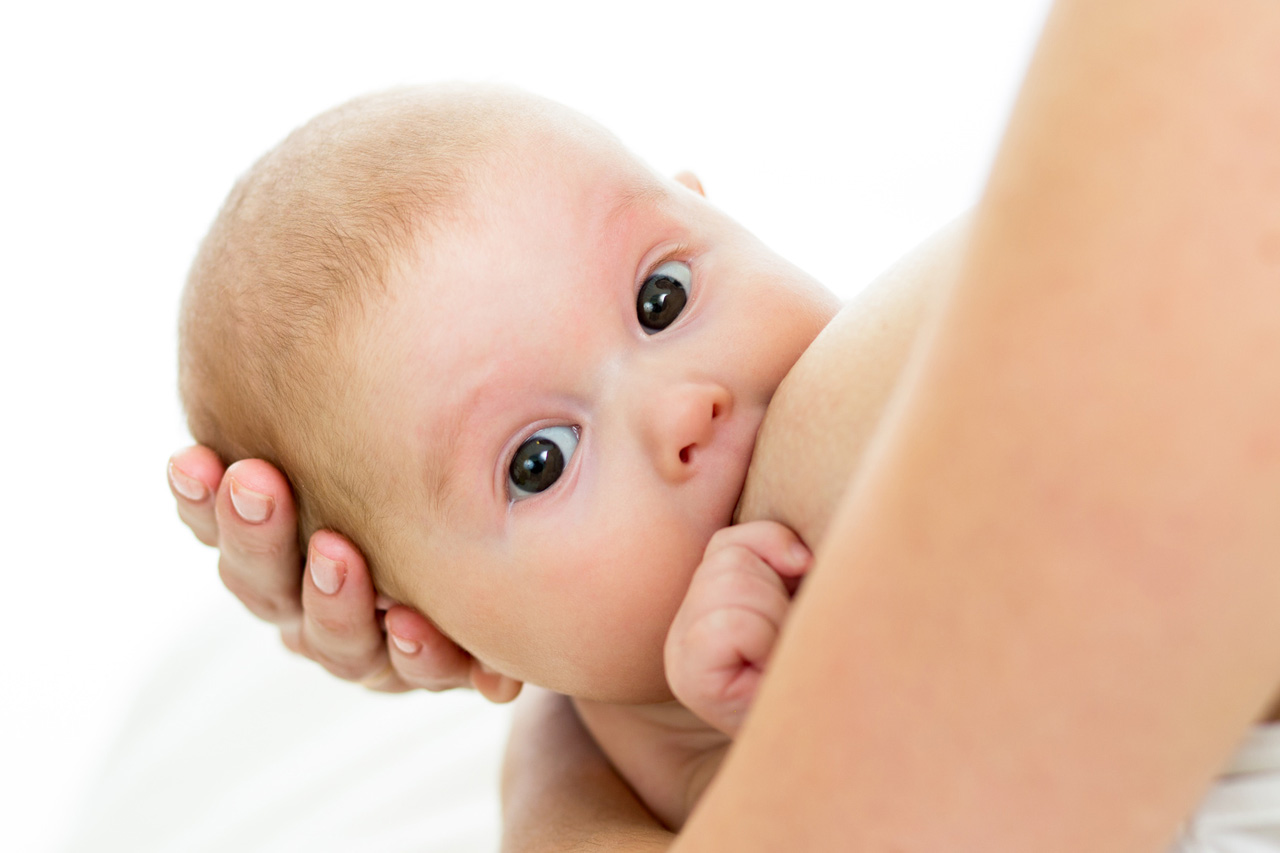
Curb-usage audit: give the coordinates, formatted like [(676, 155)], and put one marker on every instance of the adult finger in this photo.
[(257, 537), (194, 476), (421, 655), (340, 628)]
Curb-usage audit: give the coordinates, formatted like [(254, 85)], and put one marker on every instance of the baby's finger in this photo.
[(735, 577), (776, 544), (340, 627), (257, 537), (194, 475), (421, 655)]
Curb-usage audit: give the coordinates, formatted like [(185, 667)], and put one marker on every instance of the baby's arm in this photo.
[(559, 791), (721, 638), (667, 753)]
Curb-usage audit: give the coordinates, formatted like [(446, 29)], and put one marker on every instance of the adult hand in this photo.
[(326, 610)]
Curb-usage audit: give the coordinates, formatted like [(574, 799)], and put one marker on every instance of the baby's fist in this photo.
[(723, 633)]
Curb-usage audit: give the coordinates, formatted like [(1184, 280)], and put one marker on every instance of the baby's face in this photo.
[(561, 456)]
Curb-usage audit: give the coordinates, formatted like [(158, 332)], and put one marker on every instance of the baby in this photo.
[(525, 375)]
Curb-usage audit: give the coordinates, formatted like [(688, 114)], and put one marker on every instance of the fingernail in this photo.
[(251, 506), (409, 647), (326, 574), (186, 485), (799, 554)]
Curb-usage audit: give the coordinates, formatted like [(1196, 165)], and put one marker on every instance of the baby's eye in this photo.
[(540, 461), (663, 295)]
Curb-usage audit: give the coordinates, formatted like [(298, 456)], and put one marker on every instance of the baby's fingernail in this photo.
[(251, 506), (326, 574), (799, 554), (186, 485), (409, 647)]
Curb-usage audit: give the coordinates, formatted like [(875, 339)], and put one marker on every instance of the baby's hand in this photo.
[(722, 635)]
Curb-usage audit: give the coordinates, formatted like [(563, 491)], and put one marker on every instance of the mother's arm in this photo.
[(1044, 613)]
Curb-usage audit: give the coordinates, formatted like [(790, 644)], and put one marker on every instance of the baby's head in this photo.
[(521, 371)]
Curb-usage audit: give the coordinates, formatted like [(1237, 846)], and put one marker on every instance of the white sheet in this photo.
[(222, 753), (1241, 814)]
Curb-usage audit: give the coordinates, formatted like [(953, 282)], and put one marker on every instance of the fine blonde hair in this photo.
[(302, 249)]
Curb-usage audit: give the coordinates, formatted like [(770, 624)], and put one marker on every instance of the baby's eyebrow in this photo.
[(635, 194)]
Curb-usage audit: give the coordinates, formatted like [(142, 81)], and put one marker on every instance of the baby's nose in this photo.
[(682, 423)]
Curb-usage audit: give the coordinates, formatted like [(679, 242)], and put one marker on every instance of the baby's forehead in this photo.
[(567, 159), (551, 197)]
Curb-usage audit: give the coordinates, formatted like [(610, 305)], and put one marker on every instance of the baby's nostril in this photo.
[(715, 411), (684, 454)]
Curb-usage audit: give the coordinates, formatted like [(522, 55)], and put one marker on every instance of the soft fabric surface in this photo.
[(1242, 812), (236, 745)]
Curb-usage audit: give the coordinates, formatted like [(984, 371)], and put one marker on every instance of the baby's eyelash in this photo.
[(682, 252)]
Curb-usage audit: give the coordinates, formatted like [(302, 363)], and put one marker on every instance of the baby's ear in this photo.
[(690, 180), (493, 686)]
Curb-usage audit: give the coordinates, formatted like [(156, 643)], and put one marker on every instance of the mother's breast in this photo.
[(824, 413)]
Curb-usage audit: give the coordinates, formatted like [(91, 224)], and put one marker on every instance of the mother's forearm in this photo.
[(1045, 612)]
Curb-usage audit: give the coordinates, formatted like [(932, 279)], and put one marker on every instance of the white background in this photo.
[(842, 133)]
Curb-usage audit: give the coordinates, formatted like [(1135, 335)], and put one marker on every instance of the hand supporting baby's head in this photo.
[(518, 369)]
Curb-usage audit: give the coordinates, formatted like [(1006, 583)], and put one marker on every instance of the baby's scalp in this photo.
[(300, 252)]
